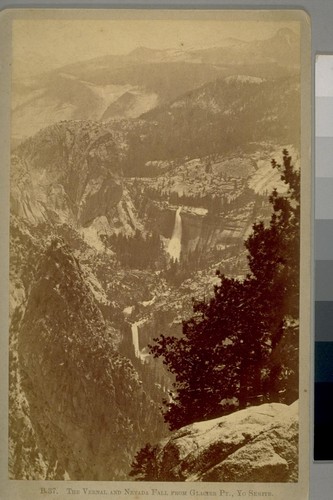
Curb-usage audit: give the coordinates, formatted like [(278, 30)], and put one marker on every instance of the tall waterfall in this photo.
[(135, 338), (174, 247), (139, 353)]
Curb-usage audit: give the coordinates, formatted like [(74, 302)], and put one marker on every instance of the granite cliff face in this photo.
[(258, 444), (69, 173), (88, 408)]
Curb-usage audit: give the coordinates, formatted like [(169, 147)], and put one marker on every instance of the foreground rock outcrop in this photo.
[(87, 408), (258, 444)]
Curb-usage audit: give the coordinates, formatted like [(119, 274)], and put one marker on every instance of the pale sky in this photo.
[(45, 44)]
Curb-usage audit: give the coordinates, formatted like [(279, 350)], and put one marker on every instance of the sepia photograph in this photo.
[(157, 223)]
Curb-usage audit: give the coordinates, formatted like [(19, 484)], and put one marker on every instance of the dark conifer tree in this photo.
[(241, 347), (143, 465)]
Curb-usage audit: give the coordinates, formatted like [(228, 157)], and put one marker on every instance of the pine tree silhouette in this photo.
[(241, 347)]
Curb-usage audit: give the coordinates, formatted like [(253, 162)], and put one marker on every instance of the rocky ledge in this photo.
[(258, 444)]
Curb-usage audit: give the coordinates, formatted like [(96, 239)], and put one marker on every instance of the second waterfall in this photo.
[(174, 247)]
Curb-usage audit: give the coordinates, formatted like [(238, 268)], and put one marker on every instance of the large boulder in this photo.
[(258, 444)]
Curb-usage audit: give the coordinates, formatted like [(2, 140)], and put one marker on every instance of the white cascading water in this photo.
[(135, 338), (174, 247)]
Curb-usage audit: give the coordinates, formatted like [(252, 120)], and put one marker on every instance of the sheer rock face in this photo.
[(87, 406), (258, 444), (69, 172)]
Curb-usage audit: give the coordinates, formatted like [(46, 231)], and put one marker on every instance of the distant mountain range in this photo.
[(126, 86)]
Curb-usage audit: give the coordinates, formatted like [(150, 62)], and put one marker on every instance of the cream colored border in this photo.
[(31, 490)]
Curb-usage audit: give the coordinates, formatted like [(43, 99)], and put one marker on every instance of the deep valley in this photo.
[(133, 180)]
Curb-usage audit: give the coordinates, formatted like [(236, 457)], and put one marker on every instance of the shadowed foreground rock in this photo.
[(87, 407), (258, 444)]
